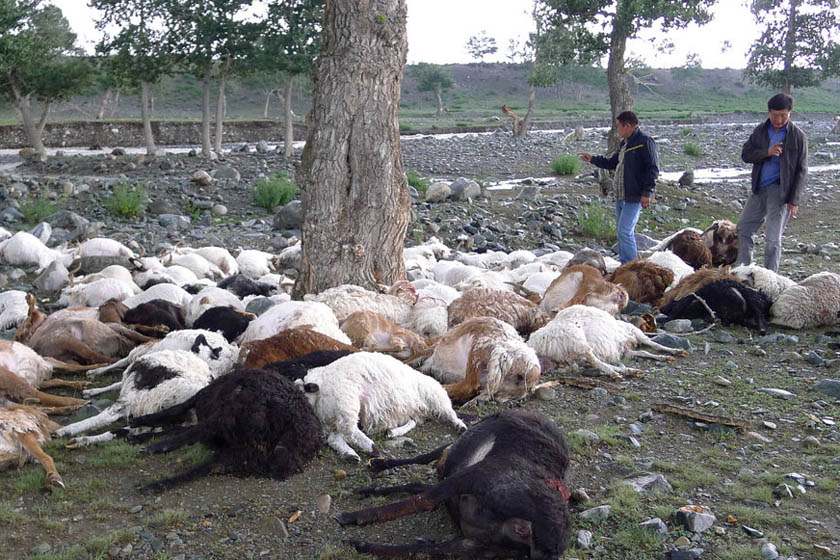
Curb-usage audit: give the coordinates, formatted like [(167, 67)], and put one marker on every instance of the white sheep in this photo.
[(32, 368), (813, 302), (253, 263), (220, 257), (763, 279), (200, 266), (584, 336), (348, 298), (13, 309), (154, 382), (181, 275), (368, 393), (489, 260), (673, 262), (211, 297), (97, 292), (169, 292), (558, 258), (24, 249), (292, 314), (289, 257), (104, 247), (115, 271)]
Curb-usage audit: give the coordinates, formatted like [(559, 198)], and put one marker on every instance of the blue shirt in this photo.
[(770, 172)]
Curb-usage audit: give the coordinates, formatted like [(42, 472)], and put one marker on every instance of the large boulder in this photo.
[(289, 216), (464, 189), (438, 192)]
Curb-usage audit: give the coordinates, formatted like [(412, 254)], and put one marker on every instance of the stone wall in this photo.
[(130, 133)]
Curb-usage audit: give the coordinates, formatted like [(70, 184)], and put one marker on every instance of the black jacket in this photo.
[(641, 166), (793, 163)]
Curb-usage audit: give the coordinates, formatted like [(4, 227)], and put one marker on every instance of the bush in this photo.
[(276, 190), (36, 210), (566, 165), (126, 200), (686, 131), (692, 149), (418, 182), (596, 221)]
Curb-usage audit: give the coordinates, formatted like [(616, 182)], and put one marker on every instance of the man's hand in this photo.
[(645, 200), (792, 209), (585, 157), (775, 150)]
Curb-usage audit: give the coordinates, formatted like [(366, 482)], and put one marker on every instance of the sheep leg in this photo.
[(30, 442), (402, 430), (187, 437), (650, 356), (613, 371), (52, 383), (131, 335), (105, 369), (460, 547), (410, 488), (45, 399), (644, 340), (86, 441), (104, 418), (67, 367), (99, 390), (379, 465), (388, 512), (337, 442)]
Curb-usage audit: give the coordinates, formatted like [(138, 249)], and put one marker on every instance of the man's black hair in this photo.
[(628, 117), (780, 102)]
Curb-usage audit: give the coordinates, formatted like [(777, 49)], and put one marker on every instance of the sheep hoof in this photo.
[(54, 481), (352, 458), (670, 359), (377, 464), (74, 443)]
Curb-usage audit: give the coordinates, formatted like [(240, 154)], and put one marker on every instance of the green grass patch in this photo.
[(418, 182), (276, 190), (29, 478), (168, 518), (115, 454), (638, 539), (596, 221), (9, 517), (405, 127), (127, 201), (692, 149), (566, 165), (686, 131), (36, 210), (692, 476)]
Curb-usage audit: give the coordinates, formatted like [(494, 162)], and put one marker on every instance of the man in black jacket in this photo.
[(778, 150), (636, 169)]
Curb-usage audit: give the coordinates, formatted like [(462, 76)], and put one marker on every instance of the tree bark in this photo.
[(221, 106), (289, 138), (439, 101), (103, 104), (33, 131), (526, 122), (145, 115), (267, 102), (206, 147), (790, 46), (354, 192), (116, 102), (620, 97)]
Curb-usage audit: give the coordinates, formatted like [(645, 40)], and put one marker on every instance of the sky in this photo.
[(438, 31)]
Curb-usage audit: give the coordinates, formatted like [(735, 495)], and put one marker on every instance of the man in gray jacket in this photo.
[(778, 150)]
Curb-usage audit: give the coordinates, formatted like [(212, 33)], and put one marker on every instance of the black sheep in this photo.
[(229, 321), (155, 313), (503, 483), (297, 367), (731, 301), (242, 286), (257, 422)]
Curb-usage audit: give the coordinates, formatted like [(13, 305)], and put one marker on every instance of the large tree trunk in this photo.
[(289, 138), (267, 102), (620, 97), (206, 147), (145, 115), (103, 104), (33, 131), (221, 106), (439, 101), (116, 103), (790, 46), (353, 187)]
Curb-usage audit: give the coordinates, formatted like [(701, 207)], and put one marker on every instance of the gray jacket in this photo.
[(793, 164)]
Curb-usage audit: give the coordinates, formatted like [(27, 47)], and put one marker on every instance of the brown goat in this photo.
[(690, 247), (582, 284), (23, 430), (72, 338), (17, 389), (644, 281), (525, 315), (722, 240), (289, 344), (373, 332), (694, 282)]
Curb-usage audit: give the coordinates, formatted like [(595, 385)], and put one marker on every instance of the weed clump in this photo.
[(276, 190), (692, 149), (596, 221), (418, 182), (566, 165), (35, 211), (127, 201)]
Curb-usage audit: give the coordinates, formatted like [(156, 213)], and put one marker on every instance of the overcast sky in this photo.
[(438, 31)]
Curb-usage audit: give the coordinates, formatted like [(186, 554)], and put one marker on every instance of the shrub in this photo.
[(566, 165), (36, 210), (596, 221), (418, 182), (692, 149), (126, 200), (461, 124), (686, 131), (276, 190)]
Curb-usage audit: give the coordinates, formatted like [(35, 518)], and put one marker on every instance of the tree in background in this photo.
[(432, 77), (290, 43), (353, 187), (602, 27), (479, 46), (135, 54), (38, 60), (796, 48)]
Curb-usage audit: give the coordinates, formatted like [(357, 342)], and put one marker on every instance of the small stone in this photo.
[(769, 425), (596, 514), (682, 542), (755, 533), (678, 326), (811, 441), (769, 551), (323, 503), (778, 393), (783, 491), (340, 474), (41, 549), (219, 210), (649, 483), (830, 387), (201, 177), (722, 381), (822, 548), (135, 509), (759, 437), (694, 518), (584, 539), (655, 525), (546, 394), (587, 435)]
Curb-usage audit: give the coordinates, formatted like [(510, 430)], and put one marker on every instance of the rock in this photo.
[(694, 518), (201, 177), (723, 337), (811, 441), (260, 305), (438, 192), (587, 435), (682, 542), (830, 387), (161, 206), (219, 210), (655, 525), (227, 173), (43, 231), (41, 549), (584, 539), (686, 179), (262, 147), (175, 221), (769, 551), (323, 503), (672, 341), (464, 189), (289, 216), (596, 514), (783, 491), (546, 394), (755, 533), (722, 381), (649, 483), (340, 474), (65, 219), (678, 326), (11, 215), (53, 278), (778, 393)]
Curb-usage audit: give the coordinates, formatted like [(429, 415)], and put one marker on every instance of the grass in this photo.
[(566, 165), (168, 518), (94, 548), (10, 517), (418, 182), (686, 131), (596, 221), (115, 454), (36, 210), (127, 201), (692, 149), (276, 190)]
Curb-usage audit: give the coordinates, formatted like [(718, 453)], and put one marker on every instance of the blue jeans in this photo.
[(626, 217)]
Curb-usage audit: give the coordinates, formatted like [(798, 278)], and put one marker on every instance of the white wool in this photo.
[(211, 297), (519, 258), (220, 257), (294, 314), (441, 268), (429, 317), (151, 263), (253, 263), (14, 421), (432, 249), (97, 292), (169, 292), (181, 275), (104, 247), (289, 257), (488, 279), (525, 271), (114, 271), (13, 309), (488, 260), (763, 279), (192, 375), (156, 274), (538, 283), (459, 274), (4, 234), (672, 262), (558, 258), (200, 266), (25, 362), (24, 249), (370, 393), (347, 298), (813, 302), (435, 290)]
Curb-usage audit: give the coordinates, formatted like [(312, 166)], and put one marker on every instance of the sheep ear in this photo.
[(310, 387)]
